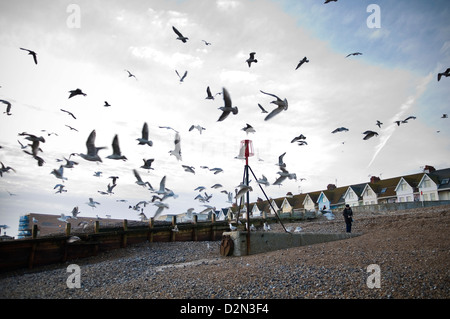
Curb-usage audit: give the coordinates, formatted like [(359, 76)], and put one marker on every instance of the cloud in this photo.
[(227, 4), (401, 114)]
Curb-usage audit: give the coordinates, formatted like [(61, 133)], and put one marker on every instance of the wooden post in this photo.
[(172, 233), (34, 231), (96, 226), (194, 229), (68, 226), (31, 257), (124, 235), (213, 232), (150, 232)]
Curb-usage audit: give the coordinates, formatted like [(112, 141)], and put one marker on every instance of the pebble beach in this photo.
[(411, 249)]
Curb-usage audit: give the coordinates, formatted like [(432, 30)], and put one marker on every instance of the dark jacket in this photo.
[(348, 213)]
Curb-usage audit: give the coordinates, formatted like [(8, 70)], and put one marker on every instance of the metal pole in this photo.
[(248, 196)]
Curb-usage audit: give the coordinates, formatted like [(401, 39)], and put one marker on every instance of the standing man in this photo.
[(348, 213)]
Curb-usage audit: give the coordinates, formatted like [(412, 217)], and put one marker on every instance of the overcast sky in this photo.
[(88, 45)]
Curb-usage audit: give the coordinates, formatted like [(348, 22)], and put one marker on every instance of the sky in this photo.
[(90, 44)]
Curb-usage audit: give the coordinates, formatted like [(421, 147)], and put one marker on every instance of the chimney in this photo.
[(374, 179), (331, 187), (428, 169)]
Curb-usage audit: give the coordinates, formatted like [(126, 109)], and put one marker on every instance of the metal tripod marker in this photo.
[(247, 146), (247, 150)]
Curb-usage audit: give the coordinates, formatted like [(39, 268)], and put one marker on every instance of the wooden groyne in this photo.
[(39, 251)]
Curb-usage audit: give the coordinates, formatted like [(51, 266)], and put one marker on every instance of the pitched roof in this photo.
[(336, 195), (412, 180), (443, 177), (385, 187)]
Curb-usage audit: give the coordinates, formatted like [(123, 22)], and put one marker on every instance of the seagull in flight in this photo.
[(340, 129), (144, 139), (281, 163), (162, 187), (181, 77), (60, 188), (244, 189), (76, 92), (5, 169), (446, 73), (189, 169), (161, 206), (59, 173), (216, 170), (369, 134), (408, 118), (139, 180), (248, 129), (263, 181), (177, 150), (228, 108), (71, 128), (130, 75), (63, 218), (8, 107), (251, 59), (304, 60), (148, 163), (116, 155), (263, 110), (379, 124), (31, 53), (355, 53), (206, 43), (180, 36), (198, 127), (70, 113), (209, 96), (92, 203), (298, 138), (92, 150), (282, 105), (75, 212)]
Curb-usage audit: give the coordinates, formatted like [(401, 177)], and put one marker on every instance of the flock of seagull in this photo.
[(162, 193)]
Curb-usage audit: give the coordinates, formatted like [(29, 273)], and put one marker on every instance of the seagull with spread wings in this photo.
[(180, 36), (282, 105), (177, 150), (76, 92), (340, 129), (139, 180), (304, 60), (143, 140), (117, 154), (355, 53), (228, 108), (209, 96), (148, 163), (251, 59), (182, 77), (130, 75), (369, 134), (32, 53), (446, 73), (8, 107), (92, 150), (263, 110), (70, 113)]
